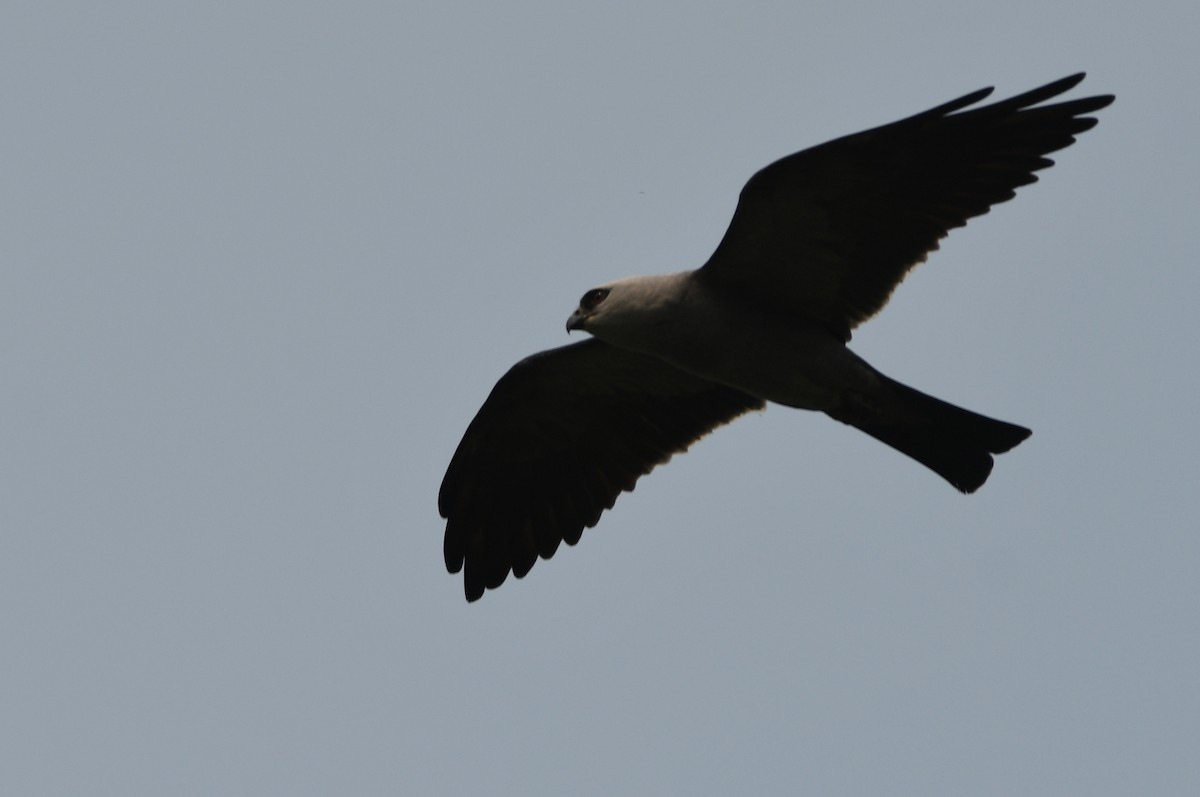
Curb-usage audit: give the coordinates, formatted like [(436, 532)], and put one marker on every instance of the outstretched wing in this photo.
[(829, 232), (560, 436)]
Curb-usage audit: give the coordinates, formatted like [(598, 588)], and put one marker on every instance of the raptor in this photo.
[(817, 244)]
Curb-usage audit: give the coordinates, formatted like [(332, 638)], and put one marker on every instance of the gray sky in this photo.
[(261, 265)]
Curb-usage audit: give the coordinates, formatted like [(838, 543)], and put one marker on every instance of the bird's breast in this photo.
[(787, 360)]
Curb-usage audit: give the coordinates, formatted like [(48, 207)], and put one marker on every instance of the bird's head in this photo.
[(634, 305)]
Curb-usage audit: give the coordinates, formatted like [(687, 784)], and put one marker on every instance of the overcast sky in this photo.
[(260, 263)]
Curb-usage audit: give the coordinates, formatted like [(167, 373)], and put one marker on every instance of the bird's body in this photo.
[(818, 243), (726, 339)]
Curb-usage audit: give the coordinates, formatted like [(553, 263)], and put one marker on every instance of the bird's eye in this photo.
[(591, 300)]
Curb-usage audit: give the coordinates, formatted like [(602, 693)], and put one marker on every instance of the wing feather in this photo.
[(562, 434), (829, 232)]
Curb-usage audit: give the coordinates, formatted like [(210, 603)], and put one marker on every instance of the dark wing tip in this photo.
[(1017, 102), (1051, 89)]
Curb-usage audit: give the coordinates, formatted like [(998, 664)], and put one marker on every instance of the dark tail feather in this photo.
[(954, 443)]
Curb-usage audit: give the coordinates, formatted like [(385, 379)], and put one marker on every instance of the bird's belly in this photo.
[(787, 363)]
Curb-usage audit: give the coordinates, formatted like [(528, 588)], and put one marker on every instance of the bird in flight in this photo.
[(817, 244)]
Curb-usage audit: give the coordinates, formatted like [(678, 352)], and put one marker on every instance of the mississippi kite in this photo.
[(817, 244)]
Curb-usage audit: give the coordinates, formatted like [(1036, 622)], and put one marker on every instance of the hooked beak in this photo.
[(577, 320)]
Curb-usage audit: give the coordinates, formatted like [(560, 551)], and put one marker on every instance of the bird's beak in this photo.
[(577, 320)]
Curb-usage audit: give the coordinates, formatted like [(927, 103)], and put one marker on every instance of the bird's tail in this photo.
[(954, 443)]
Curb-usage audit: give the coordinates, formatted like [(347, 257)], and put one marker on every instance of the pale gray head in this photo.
[(630, 306)]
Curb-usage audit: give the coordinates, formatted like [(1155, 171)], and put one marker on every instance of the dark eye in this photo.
[(591, 300)]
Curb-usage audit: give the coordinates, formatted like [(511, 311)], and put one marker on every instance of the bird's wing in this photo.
[(560, 436), (829, 232)]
